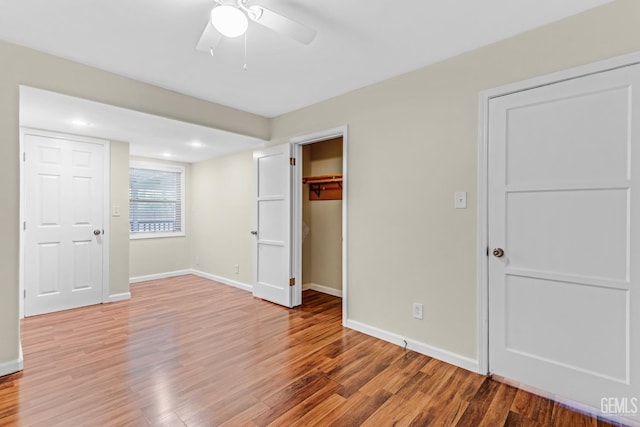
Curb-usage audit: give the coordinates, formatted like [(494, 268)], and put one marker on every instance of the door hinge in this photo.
[(292, 281), (292, 161), (24, 156), (25, 294), (24, 226)]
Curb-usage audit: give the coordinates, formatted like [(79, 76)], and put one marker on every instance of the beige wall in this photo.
[(412, 144), (28, 67), (119, 253), (167, 254), (222, 216), (322, 248)]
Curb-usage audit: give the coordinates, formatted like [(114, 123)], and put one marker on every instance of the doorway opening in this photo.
[(321, 230), (319, 250)]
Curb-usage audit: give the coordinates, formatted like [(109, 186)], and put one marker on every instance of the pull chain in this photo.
[(245, 51)]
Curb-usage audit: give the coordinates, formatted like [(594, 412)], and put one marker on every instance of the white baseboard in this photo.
[(199, 273), (119, 297), (223, 280), (428, 350), (160, 276), (12, 366), (323, 289)]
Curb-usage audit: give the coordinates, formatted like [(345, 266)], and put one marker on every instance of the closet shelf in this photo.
[(322, 179), (324, 187)]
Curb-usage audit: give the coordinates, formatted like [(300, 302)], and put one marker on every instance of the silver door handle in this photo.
[(498, 252), (254, 232), (97, 232)]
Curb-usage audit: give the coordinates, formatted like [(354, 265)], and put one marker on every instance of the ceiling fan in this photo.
[(230, 18)]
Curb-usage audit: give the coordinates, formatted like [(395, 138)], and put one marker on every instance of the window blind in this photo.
[(155, 198)]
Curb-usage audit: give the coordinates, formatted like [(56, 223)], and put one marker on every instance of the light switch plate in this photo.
[(115, 211), (461, 200)]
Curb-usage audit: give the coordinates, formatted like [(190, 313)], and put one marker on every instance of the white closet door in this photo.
[(564, 207)]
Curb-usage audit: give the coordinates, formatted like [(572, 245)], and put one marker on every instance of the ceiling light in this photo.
[(81, 123), (229, 20), (167, 154), (196, 144)]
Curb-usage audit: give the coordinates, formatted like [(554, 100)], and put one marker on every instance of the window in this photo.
[(156, 197)]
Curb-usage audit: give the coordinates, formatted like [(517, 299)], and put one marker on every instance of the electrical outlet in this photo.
[(236, 268), (197, 260), (417, 311)]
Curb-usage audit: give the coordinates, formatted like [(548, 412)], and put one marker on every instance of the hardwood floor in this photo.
[(188, 351)]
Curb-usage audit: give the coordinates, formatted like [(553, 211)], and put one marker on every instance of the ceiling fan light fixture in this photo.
[(229, 21)]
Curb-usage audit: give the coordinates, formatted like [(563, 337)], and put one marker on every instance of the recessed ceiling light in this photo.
[(196, 144), (167, 154), (81, 123)]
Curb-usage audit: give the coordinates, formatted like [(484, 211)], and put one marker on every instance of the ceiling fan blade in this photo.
[(209, 39), (281, 24)]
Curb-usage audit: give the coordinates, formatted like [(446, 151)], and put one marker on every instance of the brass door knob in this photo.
[(498, 252)]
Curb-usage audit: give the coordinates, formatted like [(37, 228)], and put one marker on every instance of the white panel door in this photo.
[(63, 212), (272, 269), (564, 187)]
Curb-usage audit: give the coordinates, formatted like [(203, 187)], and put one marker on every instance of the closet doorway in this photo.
[(319, 223), (321, 232)]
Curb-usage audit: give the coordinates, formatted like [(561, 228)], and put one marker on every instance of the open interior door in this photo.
[(272, 229)]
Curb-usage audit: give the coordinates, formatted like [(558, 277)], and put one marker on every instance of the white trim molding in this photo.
[(119, 297), (158, 276), (426, 349), (324, 289), (222, 280), (12, 366)]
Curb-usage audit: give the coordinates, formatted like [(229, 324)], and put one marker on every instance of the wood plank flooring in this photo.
[(190, 352)]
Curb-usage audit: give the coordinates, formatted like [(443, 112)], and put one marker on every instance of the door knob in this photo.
[(97, 232), (498, 252), (254, 232)]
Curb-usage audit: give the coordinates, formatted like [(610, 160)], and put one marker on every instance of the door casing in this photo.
[(296, 198), (106, 200)]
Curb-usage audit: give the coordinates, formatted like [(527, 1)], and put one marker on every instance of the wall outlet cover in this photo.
[(461, 200), (417, 311)]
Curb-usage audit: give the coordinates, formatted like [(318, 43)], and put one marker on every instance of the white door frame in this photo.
[(296, 200), (106, 240), (483, 170)]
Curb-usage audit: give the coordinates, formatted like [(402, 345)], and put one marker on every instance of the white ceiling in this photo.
[(148, 135), (358, 42)]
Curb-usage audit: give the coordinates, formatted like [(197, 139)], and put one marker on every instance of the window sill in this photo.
[(138, 236)]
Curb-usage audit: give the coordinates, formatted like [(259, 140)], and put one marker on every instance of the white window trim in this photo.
[(168, 168)]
